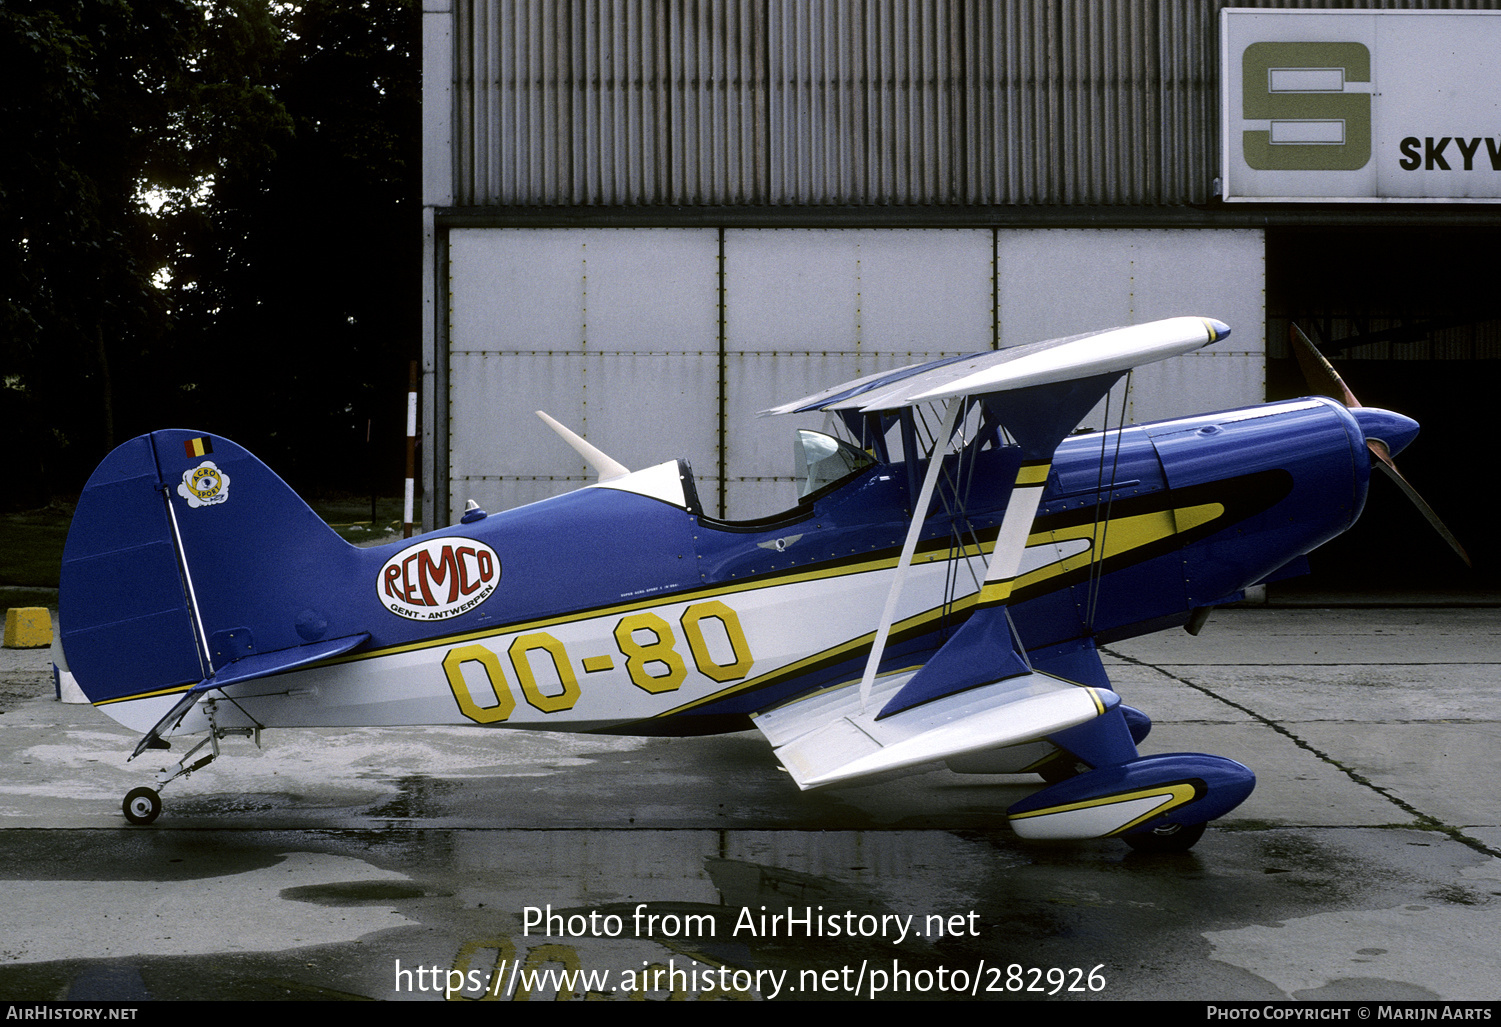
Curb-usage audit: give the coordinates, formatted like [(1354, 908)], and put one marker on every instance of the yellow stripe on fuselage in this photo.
[(1034, 473), (1114, 538), (174, 690), (1119, 536)]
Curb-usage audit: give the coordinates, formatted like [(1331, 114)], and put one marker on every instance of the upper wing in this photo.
[(978, 691), (1055, 361)]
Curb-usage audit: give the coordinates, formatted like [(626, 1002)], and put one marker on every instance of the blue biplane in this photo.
[(937, 595)]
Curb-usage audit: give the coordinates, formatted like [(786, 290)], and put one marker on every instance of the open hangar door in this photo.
[(1411, 319)]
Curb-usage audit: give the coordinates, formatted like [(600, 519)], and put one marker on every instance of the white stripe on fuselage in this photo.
[(721, 640)]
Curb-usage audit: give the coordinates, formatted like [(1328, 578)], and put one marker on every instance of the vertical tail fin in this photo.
[(186, 554)]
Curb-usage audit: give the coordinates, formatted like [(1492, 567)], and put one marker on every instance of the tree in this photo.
[(306, 286), (84, 111), (203, 203)]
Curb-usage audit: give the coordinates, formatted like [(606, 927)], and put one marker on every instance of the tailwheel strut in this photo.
[(143, 805)]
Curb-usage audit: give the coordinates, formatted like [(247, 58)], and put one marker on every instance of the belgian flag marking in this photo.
[(198, 447)]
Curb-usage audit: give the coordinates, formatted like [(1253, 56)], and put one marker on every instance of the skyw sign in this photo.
[(1360, 106)]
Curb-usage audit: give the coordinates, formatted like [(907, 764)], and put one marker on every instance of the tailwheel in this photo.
[(142, 805), (1165, 838)]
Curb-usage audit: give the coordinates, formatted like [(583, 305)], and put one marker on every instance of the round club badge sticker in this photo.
[(204, 485)]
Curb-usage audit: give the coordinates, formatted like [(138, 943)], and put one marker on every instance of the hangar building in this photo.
[(655, 218)]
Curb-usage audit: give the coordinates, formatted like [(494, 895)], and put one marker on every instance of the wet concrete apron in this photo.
[(432, 863)]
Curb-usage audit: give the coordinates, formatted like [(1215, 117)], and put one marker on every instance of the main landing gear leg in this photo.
[(1156, 804), (143, 805)]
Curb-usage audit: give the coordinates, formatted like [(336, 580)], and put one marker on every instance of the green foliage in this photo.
[(210, 219), (82, 103)]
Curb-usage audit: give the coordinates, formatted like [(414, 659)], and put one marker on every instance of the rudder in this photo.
[(185, 554)]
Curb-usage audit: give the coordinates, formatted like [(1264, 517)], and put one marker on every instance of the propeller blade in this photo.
[(1324, 379), (1385, 463), (1317, 371)]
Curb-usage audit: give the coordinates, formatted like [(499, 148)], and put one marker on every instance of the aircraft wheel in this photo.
[(142, 805), (1166, 838)]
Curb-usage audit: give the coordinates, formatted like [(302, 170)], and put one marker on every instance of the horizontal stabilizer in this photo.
[(260, 665), (248, 668), (830, 739)]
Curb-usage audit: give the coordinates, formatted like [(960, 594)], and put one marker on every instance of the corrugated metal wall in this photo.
[(644, 102)]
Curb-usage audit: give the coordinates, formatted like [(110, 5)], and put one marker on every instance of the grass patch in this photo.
[(31, 546)]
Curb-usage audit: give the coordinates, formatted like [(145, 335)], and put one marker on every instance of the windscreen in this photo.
[(819, 460)]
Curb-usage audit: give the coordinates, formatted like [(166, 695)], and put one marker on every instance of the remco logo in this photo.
[(1316, 123), (438, 578)]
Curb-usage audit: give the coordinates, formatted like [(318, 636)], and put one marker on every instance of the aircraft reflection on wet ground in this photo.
[(392, 864)]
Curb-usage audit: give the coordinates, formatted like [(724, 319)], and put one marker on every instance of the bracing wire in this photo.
[(1101, 529), (953, 497)]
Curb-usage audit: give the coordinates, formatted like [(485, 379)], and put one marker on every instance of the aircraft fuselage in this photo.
[(609, 609)]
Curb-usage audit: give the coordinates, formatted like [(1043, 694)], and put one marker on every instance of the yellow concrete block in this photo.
[(27, 627)]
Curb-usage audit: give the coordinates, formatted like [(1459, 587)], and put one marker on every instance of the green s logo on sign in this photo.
[(1300, 89)]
